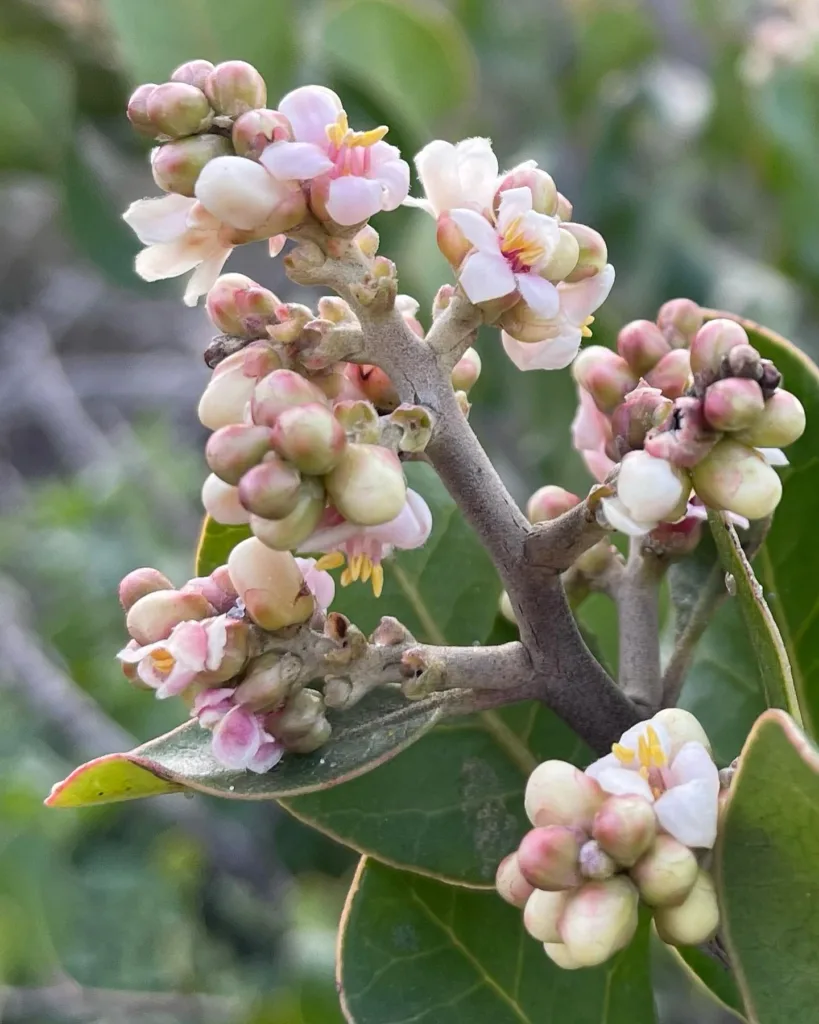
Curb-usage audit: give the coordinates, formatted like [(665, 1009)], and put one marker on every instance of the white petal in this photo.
[(171, 259), (689, 813), (205, 275), (602, 764), (624, 782), (275, 244), (295, 160), (393, 176), (540, 295), (310, 110), (159, 220), (552, 354), (618, 518), (578, 301), (239, 191), (514, 203), (477, 230), (774, 456), (352, 200), (419, 204), (649, 488), (486, 276), (693, 762), (477, 169), (437, 167)]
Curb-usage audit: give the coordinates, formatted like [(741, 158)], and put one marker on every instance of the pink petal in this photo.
[(540, 295), (268, 755), (590, 427), (410, 528), (211, 706), (602, 764), (552, 354), (275, 244), (598, 464), (205, 276), (514, 203), (578, 301), (295, 160), (694, 763), (486, 276), (175, 683), (331, 538), (393, 176), (159, 220), (310, 110), (237, 738), (216, 631), (321, 584), (188, 644), (352, 200), (477, 230)]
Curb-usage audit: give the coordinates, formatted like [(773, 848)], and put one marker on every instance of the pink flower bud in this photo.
[(781, 422), (563, 261), (564, 208), (599, 920), (510, 883), (695, 920), (367, 486), (549, 502), (672, 374), (466, 371), (642, 344), (254, 131), (289, 532), (541, 914), (644, 409), (557, 793), (138, 110), (177, 165), (539, 182), (560, 955), (606, 376), (140, 582), (625, 827), (685, 438), (241, 193), (220, 600), (310, 437), (177, 109), (232, 385), (303, 711), (548, 857), (452, 242), (733, 403), (235, 449), (712, 342), (679, 320), (238, 306), (235, 87), (376, 386), (153, 616), (271, 489), (280, 390), (666, 874), (737, 478), (594, 862), (593, 253), (193, 72), (268, 681), (270, 585)]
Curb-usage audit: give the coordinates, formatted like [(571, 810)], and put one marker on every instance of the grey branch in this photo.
[(638, 601), (557, 544)]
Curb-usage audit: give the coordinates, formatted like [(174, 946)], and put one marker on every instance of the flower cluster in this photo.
[(685, 414), (633, 827), (197, 643)]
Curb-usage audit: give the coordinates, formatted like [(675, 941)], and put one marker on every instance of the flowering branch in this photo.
[(638, 598)]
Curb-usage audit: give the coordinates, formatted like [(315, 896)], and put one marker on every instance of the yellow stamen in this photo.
[(368, 138), (346, 577), (623, 754), (355, 566), (585, 328), (367, 569), (528, 250), (337, 130), (378, 579), (340, 134), (163, 660), (332, 561)]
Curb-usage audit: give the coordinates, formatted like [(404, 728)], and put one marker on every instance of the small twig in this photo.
[(558, 543), (638, 603)]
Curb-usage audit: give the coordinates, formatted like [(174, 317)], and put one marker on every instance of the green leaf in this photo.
[(215, 544), (412, 949), (363, 738), (710, 977), (415, 57), (154, 36), (762, 629), (36, 108), (767, 870)]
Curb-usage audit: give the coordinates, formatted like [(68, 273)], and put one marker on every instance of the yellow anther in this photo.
[(355, 566), (368, 138), (644, 773), (527, 250), (331, 561), (585, 329), (346, 578), (163, 660), (366, 569), (623, 754), (378, 579), (338, 130), (339, 133), (655, 748)]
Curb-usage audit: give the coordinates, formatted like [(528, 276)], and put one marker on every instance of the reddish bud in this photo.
[(510, 883), (271, 489), (367, 486), (466, 371), (270, 584), (672, 374), (452, 242), (291, 531), (737, 478), (781, 422), (643, 409), (679, 320), (176, 165), (254, 131), (712, 342), (193, 72), (548, 857), (138, 110), (310, 437), (549, 502), (642, 344), (177, 109), (238, 306), (625, 827), (280, 390), (733, 403), (378, 387), (666, 874), (606, 376), (235, 87), (592, 252), (557, 793), (541, 914), (140, 582), (153, 616), (685, 438)]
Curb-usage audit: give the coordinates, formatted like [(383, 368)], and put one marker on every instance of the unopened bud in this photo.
[(234, 654), (594, 862), (452, 242), (291, 531), (231, 387), (367, 241), (549, 502), (539, 182), (679, 320), (672, 374), (781, 422), (443, 297), (378, 387), (367, 486), (625, 827), (316, 738), (770, 379), (642, 344), (235, 87), (241, 193), (510, 883), (737, 478), (177, 109), (268, 681), (599, 920), (564, 208), (733, 403), (140, 582), (644, 409), (299, 715), (695, 920), (652, 489), (153, 616), (557, 793), (220, 599), (138, 110), (593, 254), (548, 857), (270, 584), (466, 371), (221, 502), (712, 342), (177, 165), (666, 874), (280, 390), (563, 262), (685, 438), (606, 376), (271, 489), (560, 955), (310, 437), (681, 727), (506, 609), (541, 914), (742, 361), (238, 306), (254, 131), (359, 419), (193, 72)]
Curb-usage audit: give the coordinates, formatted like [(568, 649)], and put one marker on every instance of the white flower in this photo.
[(465, 175), (679, 778), (649, 491)]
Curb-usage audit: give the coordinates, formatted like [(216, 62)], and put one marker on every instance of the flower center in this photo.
[(650, 757), (585, 327), (359, 567), (340, 134), (163, 661), (521, 249)]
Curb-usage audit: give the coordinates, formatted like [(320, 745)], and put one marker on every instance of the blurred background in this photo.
[(684, 131)]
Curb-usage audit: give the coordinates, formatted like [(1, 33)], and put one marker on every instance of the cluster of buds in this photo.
[(198, 642), (685, 414), (633, 827)]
